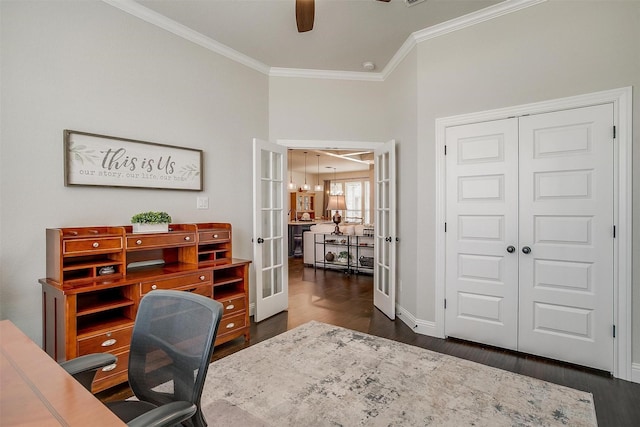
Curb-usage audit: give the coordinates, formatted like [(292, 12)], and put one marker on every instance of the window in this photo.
[(357, 197)]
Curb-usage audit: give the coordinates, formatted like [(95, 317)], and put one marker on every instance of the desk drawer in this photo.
[(213, 236), (105, 343), (79, 246), (205, 290), (112, 374), (233, 305), (231, 324), (191, 279), (147, 241)]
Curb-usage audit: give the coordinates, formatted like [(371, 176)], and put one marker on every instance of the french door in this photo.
[(384, 276), (529, 258), (269, 228)]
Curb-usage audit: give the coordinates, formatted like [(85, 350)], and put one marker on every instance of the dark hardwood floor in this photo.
[(347, 300)]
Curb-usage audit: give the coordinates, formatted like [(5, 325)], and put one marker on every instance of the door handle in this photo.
[(526, 250), (260, 240), (511, 249)]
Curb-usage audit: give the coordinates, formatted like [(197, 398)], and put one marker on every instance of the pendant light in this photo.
[(292, 185), (318, 186), (305, 187)]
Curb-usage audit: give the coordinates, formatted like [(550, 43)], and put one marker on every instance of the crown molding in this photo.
[(325, 74), (491, 12), (148, 15), (468, 20), (495, 11), (397, 58)]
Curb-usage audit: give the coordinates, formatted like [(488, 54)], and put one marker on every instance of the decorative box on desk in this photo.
[(96, 277)]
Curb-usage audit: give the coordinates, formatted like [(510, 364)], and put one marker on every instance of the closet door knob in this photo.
[(511, 249), (526, 250)]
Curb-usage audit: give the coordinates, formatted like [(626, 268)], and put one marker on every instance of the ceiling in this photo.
[(326, 160), (346, 33)]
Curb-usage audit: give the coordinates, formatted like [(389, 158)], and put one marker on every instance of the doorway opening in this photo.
[(325, 169)]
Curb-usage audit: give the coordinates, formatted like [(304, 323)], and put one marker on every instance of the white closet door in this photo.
[(482, 223), (566, 219)]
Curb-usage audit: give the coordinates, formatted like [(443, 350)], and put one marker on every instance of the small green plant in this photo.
[(151, 218), (344, 255)]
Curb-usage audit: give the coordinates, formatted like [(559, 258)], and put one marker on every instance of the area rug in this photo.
[(324, 375)]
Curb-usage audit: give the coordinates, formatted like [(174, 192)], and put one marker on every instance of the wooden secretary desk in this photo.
[(96, 277)]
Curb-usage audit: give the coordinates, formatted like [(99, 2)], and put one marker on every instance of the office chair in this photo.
[(172, 341)]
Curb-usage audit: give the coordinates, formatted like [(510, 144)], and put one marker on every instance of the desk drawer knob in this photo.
[(215, 236), (154, 287), (187, 238), (202, 277), (230, 307), (95, 244), (231, 325), (108, 343), (109, 367), (138, 242)]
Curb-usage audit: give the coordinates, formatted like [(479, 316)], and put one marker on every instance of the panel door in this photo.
[(384, 277), (566, 219), (269, 223), (482, 223)]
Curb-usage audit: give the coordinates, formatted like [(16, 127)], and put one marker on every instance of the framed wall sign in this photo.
[(91, 159)]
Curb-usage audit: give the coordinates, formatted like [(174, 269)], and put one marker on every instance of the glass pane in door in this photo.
[(267, 284)]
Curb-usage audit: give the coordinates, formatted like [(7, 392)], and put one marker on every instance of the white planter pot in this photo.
[(150, 228)]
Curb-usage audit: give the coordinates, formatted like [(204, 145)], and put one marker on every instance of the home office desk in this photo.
[(36, 391)]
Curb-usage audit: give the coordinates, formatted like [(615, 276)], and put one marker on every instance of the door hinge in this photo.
[(445, 303), (445, 227), (445, 150), (614, 132), (614, 331), (614, 231)]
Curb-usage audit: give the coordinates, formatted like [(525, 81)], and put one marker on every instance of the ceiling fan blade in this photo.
[(305, 11)]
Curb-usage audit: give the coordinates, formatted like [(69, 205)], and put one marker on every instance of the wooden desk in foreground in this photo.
[(36, 391)]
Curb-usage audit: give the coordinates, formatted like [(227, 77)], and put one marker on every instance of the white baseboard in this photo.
[(635, 372), (418, 326)]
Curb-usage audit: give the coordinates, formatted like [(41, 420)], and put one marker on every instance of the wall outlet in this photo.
[(202, 203)]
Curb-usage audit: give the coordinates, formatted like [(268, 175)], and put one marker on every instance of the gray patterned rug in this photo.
[(323, 375)]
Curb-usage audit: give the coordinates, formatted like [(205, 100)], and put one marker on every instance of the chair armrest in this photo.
[(166, 415), (84, 368), (88, 363)]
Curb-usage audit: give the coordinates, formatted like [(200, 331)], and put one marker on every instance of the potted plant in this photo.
[(344, 257), (151, 222)]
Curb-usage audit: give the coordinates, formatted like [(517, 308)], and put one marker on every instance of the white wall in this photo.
[(319, 109), (401, 104), (552, 50), (90, 67)]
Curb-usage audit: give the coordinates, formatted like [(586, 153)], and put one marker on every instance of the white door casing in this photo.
[(384, 278), (566, 219), (554, 181), (269, 229), (482, 222)]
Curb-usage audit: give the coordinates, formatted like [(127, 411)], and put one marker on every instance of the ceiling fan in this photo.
[(305, 11)]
